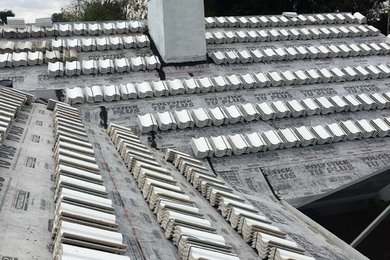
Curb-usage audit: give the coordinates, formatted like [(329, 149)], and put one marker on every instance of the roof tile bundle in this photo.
[(290, 137), (45, 27), (84, 223), (94, 94), (106, 66), (72, 68), (52, 56), (300, 52), (19, 59), (255, 229), (260, 80), (74, 95), (16, 22), (11, 103), (217, 116), (283, 21), (34, 58), (70, 55), (264, 35), (55, 69), (79, 29), (89, 67), (176, 212), (64, 29), (103, 66)]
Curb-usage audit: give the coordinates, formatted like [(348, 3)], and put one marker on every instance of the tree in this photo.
[(246, 7), (102, 10), (59, 17), (136, 9), (97, 10), (4, 14)]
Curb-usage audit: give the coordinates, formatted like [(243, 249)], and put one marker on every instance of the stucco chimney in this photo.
[(177, 28)]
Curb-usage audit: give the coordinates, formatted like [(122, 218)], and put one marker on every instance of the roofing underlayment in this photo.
[(136, 158)]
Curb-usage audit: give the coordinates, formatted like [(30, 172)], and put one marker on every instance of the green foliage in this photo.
[(59, 17), (92, 10), (246, 7), (97, 10), (4, 14)]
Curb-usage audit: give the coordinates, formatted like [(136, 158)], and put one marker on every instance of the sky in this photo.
[(31, 9)]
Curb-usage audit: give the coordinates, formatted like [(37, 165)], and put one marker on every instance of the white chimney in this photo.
[(177, 28)]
